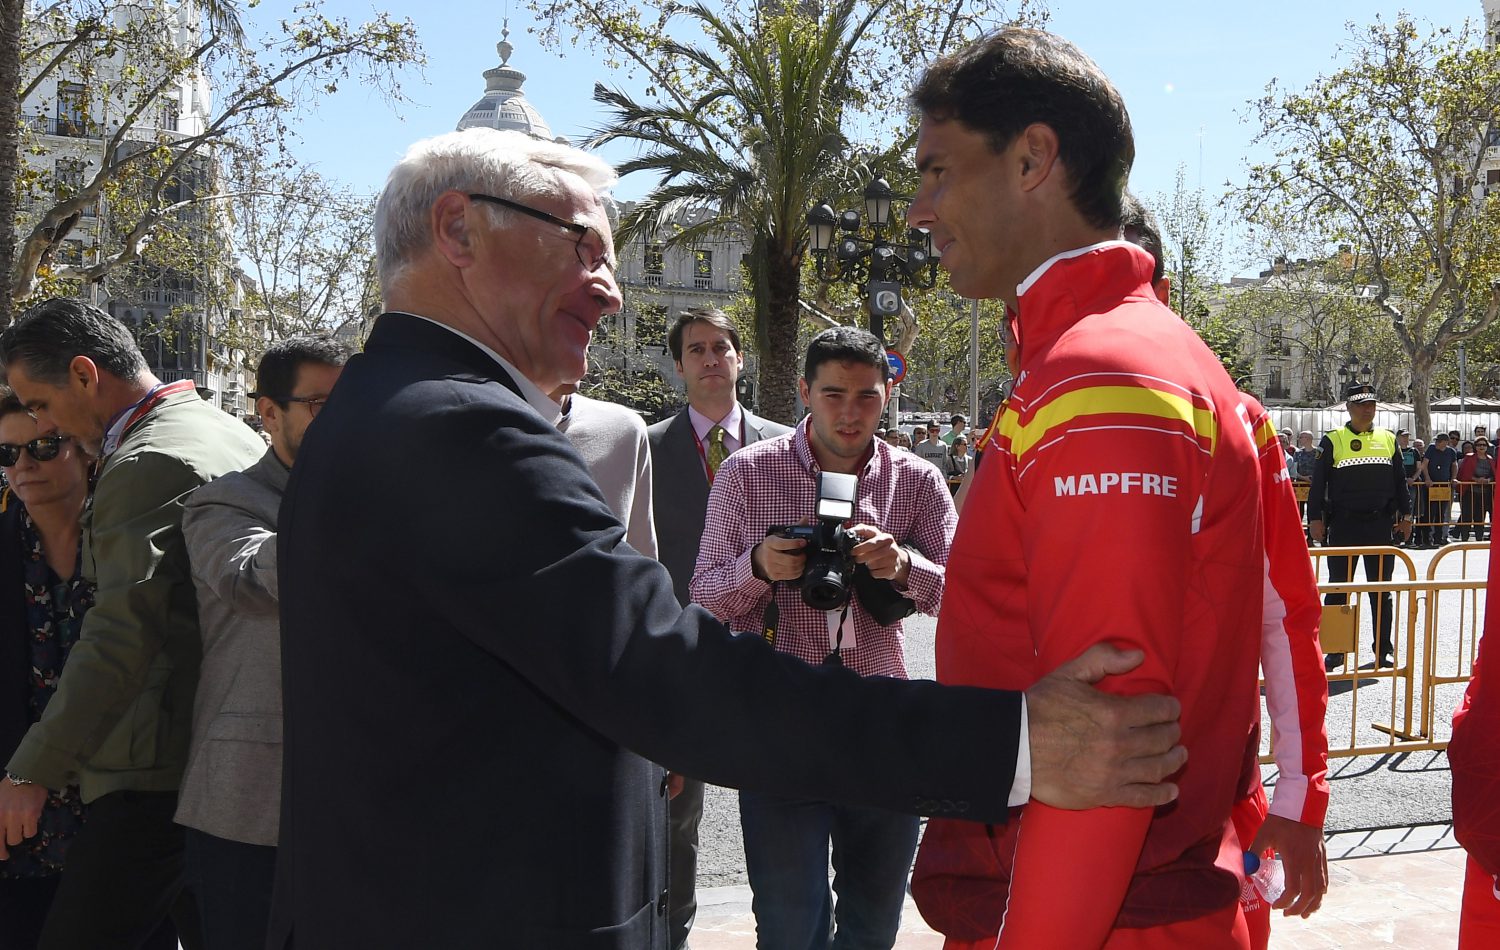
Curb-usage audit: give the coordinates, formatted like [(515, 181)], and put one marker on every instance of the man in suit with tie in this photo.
[(477, 690), (686, 450)]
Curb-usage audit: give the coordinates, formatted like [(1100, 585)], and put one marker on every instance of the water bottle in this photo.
[(1268, 876)]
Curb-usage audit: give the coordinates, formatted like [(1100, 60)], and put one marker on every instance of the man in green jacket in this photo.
[(120, 721)]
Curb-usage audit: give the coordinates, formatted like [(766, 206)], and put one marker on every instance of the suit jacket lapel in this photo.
[(683, 445)]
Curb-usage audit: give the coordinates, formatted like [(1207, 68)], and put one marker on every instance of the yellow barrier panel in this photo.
[(1454, 583)]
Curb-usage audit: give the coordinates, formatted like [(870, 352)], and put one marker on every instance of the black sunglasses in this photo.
[(587, 256), (43, 448)]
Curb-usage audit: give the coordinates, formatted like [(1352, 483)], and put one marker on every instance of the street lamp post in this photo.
[(851, 248), (1353, 371)]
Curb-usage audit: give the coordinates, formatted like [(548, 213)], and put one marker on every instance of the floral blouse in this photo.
[(54, 613)]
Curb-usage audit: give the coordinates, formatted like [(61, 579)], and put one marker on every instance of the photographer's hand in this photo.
[(879, 552), (778, 559)]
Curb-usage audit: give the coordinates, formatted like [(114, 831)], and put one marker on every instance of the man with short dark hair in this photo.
[(956, 424), (903, 519), (231, 790), (686, 452), (120, 721), (1120, 417), (931, 447), (1440, 464)]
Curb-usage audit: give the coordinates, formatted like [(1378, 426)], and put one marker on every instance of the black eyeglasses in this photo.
[(313, 403), (43, 448), (587, 255)]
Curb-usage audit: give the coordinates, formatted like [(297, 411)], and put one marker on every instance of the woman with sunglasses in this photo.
[(43, 598)]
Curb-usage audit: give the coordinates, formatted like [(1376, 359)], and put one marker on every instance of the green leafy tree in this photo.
[(750, 114), (1386, 155), (305, 244), (150, 176)]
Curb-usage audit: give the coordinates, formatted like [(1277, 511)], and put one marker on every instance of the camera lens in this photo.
[(823, 584)]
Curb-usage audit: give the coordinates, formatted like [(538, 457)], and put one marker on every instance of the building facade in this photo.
[(72, 122)]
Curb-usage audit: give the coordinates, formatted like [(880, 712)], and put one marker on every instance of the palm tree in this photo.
[(753, 144)]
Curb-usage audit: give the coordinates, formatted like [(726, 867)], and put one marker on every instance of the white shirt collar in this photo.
[(702, 423), (1036, 275), (545, 406)]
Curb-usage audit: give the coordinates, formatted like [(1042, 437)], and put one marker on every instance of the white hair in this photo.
[(506, 164)]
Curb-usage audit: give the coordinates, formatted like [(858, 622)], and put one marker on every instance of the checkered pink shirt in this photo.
[(774, 482)]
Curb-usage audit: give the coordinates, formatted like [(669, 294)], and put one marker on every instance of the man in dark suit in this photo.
[(476, 691), (686, 450)]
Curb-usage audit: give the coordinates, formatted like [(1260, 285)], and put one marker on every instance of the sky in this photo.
[(1186, 68)]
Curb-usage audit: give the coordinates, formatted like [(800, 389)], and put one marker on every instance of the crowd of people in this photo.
[(947, 451), (449, 663), (1463, 470)]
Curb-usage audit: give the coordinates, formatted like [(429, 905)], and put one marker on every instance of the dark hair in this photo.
[(957, 418), (276, 376), (845, 345), (47, 337), (1138, 226), (1007, 81), (10, 404), (712, 316)]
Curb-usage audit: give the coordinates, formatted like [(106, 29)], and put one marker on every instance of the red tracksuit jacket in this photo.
[(1120, 501)]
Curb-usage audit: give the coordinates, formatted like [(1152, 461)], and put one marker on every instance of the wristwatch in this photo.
[(15, 779)]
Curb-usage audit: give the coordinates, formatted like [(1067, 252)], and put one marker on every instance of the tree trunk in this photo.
[(11, 14), (779, 358), (1421, 394)]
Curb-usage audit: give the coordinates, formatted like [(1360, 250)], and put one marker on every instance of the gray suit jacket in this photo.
[(233, 781), (680, 491)]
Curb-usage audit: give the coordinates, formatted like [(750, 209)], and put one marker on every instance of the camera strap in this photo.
[(836, 657), (772, 619)]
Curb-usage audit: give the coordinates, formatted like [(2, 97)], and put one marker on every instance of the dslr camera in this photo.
[(830, 575), (827, 573)]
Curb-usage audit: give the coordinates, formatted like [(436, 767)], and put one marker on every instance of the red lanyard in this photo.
[(153, 398)]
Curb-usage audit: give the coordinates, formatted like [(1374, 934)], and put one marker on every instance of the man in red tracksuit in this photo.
[(1120, 501), (1474, 753)]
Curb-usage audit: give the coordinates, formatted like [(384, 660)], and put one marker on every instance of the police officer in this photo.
[(1358, 489)]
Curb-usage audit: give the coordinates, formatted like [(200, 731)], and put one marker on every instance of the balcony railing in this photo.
[(66, 126), (703, 283), (651, 279)]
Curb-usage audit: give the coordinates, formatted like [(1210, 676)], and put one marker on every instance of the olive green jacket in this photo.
[(121, 717)]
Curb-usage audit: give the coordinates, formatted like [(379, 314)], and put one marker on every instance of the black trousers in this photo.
[(1356, 531), (232, 883), (24, 902), (684, 814), (124, 878)]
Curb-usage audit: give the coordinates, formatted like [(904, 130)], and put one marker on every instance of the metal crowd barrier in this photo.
[(1474, 500), (1422, 663)]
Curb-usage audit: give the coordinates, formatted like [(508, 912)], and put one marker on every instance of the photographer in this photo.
[(902, 524)]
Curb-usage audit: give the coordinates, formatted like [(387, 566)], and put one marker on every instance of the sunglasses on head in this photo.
[(43, 448)]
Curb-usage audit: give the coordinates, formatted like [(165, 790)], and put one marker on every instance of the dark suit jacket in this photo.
[(476, 687), (679, 491)]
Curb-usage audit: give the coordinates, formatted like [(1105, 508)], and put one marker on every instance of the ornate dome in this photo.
[(503, 106)]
